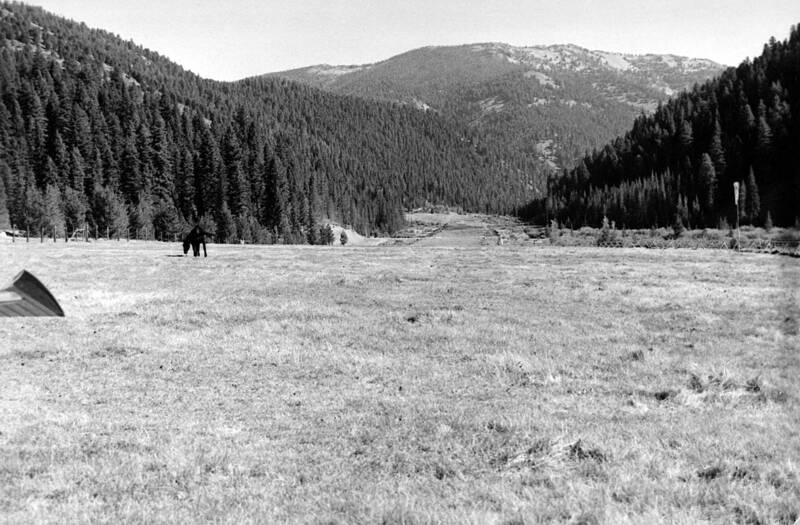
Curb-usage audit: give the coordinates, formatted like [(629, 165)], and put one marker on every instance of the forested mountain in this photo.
[(98, 130), (680, 163), (552, 102)]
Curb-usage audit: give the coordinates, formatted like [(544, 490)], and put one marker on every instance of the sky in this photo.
[(234, 39)]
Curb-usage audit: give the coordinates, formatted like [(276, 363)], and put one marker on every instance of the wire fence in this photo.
[(87, 234)]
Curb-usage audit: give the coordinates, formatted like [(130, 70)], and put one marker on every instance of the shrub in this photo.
[(607, 233), (343, 238), (326, 235), (677, 227), (553, 231)]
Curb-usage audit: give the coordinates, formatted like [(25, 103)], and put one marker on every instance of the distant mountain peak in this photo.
[(567, 96)]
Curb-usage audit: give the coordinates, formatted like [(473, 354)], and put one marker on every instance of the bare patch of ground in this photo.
[(453, 230)]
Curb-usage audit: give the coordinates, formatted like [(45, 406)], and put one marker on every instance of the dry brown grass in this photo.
[(402, 384)]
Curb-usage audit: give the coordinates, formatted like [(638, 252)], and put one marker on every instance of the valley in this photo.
[(562, 287)]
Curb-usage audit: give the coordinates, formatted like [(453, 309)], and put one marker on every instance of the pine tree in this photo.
[(312, 226), (248, 229), (105, 206), (682, 210), (77, 171), (708, 181), (49, 173), (741, 209), (210, 184), (95, 177), (130, 177), (163, 176), (686, 137), (276, 200), (715, 150), (238, 190), (32, 208), (53, 211), (61, 160), (81, 131), (238, 194), (167, 222), (141, 217), (326, 235), (5, 220), (752, 206), (226, 225), (75, 208), (120, 223), (186, 185)]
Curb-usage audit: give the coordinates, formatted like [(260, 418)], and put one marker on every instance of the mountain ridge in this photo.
[(611, 58), (522, 94)]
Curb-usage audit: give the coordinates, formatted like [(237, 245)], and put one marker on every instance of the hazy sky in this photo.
[(232, 39)]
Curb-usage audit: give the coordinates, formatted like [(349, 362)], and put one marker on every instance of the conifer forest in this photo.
[(100, 132), (679, 165)]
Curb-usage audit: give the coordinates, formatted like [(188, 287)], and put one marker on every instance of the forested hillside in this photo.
[(679, 164), (554, 103), (95, 130)]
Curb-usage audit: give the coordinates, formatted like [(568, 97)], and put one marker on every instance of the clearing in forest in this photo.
[(400, 384)]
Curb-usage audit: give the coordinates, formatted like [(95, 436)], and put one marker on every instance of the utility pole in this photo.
[(736, 201)]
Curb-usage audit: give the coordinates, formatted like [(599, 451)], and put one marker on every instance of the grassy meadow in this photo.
[(403, 384)]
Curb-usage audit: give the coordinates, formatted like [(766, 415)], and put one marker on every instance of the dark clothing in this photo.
[(194, 239)]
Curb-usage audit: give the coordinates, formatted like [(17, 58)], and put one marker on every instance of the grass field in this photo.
[(421, 383)]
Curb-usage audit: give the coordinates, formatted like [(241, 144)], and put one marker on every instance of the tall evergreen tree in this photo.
[(163, 175), (77, 171), (5, 219), (226, 225), (708, 179), (75, 208), (715, 150), (130, 176), (53, 211), (752, 206)]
